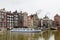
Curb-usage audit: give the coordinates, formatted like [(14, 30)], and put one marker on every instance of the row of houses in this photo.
[(16, 19), (45, 22), (21, 19)]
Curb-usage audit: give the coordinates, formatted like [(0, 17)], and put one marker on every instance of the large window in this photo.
[(16, 15)]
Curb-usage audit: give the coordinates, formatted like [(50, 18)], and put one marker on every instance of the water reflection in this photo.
[(47, 35), (25, 36), (57, 35)]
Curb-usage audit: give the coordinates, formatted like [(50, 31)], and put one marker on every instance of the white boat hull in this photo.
[(25, 30)]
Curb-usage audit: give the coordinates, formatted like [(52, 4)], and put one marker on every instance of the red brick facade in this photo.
[(57, 20)]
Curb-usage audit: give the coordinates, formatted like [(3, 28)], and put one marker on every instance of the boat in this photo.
[(52, 28), (25, 30)]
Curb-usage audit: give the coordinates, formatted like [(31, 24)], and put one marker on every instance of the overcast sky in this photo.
[(47, 7)]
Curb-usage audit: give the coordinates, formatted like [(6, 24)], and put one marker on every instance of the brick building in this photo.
[(6, 19), (57, 20), (3, 18), (30, 22), (25, 19)]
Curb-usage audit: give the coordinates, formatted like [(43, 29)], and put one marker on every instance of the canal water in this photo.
[(44, 35)]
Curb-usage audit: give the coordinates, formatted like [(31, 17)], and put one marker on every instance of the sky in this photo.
[(42, 7)]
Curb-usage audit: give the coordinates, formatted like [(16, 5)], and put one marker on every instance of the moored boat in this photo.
[(25, 30)]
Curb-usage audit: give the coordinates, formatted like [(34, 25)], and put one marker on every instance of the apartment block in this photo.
[(10, 19), (3, 18)]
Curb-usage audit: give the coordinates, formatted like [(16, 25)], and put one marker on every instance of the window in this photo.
[(2, 16), (57, 24), (16, 15)]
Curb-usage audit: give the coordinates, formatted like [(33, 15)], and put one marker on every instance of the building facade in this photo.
[(40, 24), (9, 20), (15, 14), (25, 19), (57, 20), (3, 18), (45, 22), (30, 22), (20, 19), (14, 19), (6, 19), (35, 20)]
